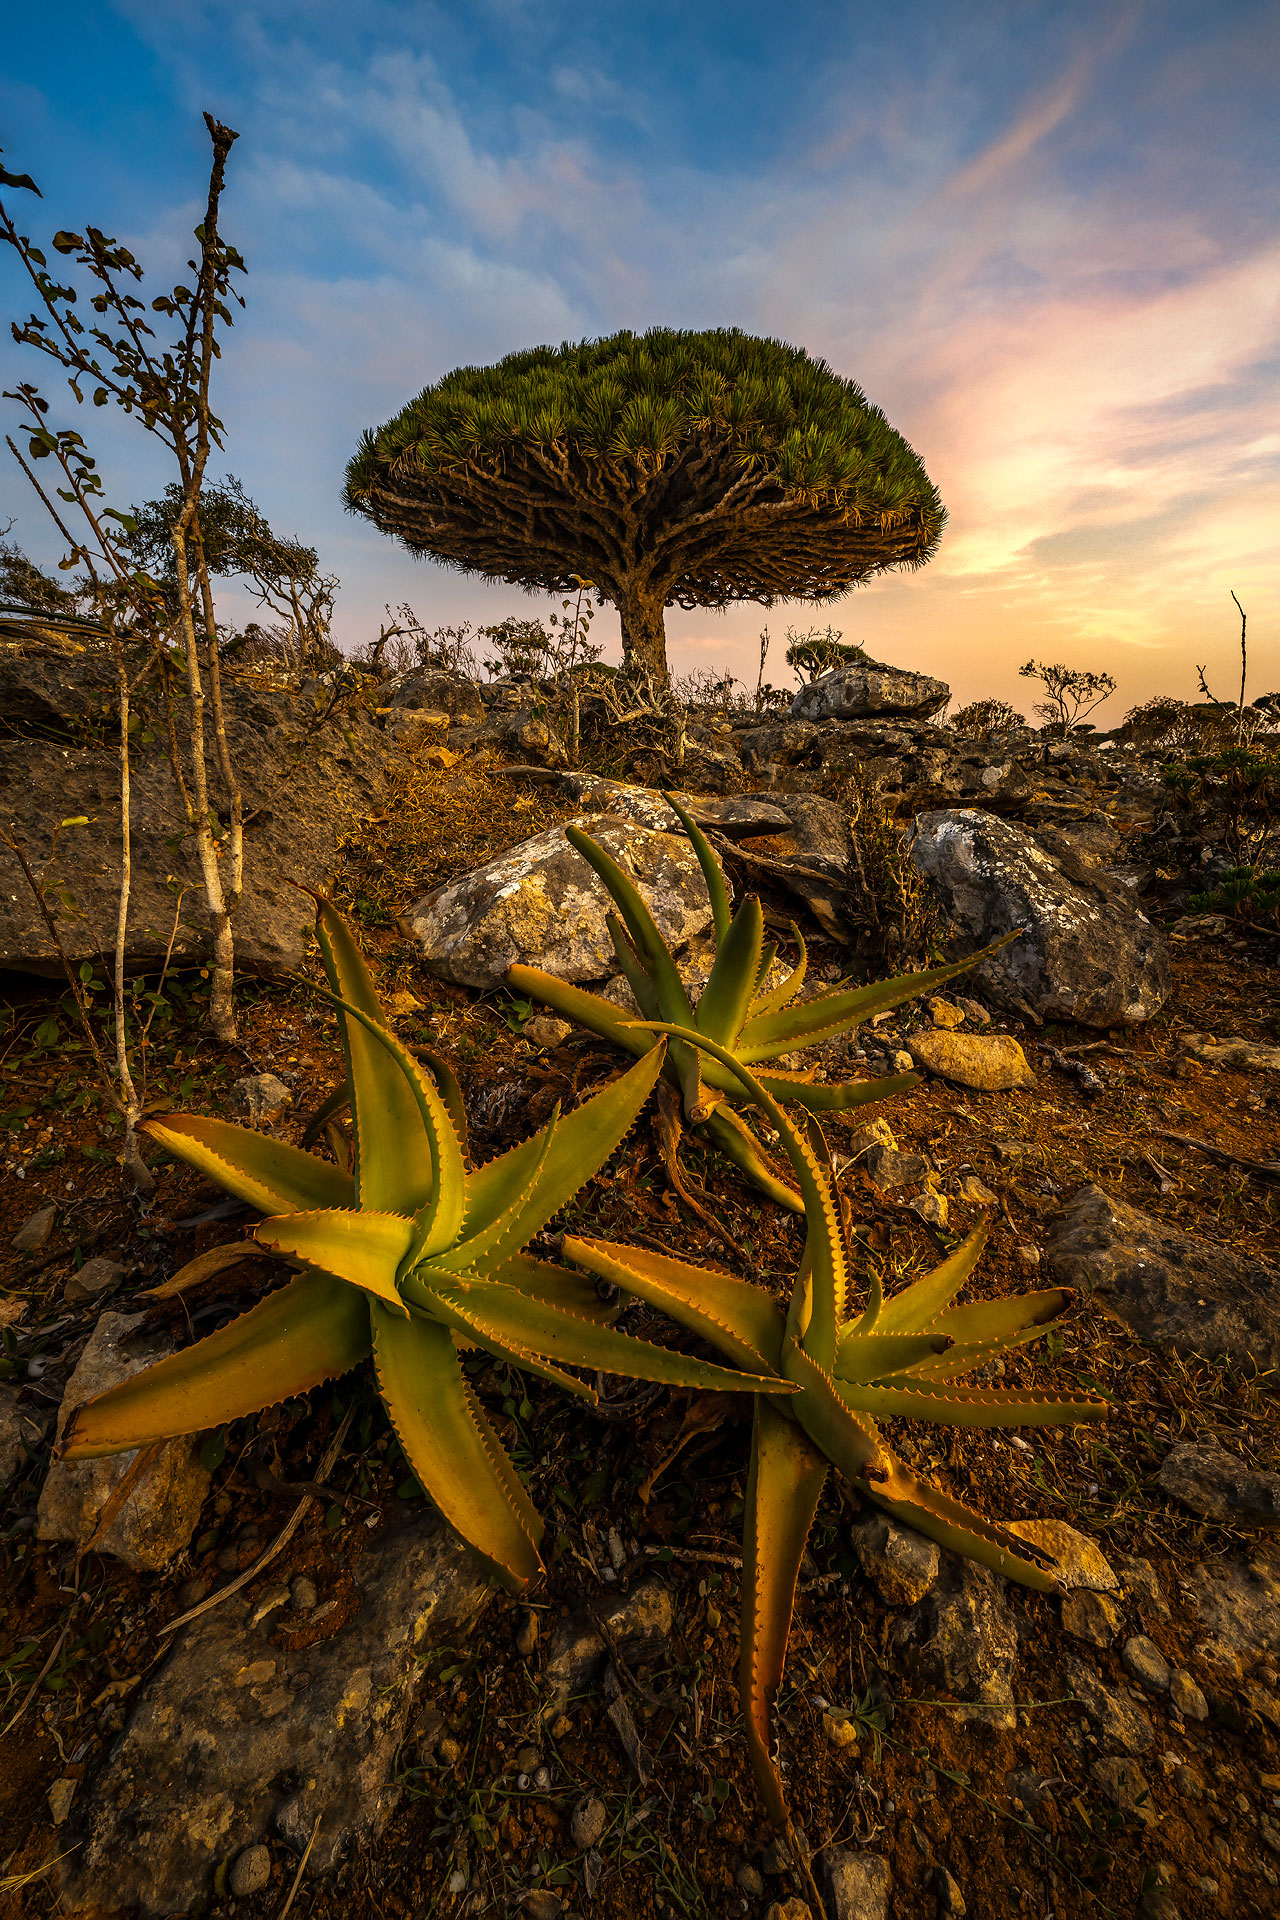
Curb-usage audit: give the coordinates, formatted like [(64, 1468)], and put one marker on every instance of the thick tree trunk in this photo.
[(644, 636)]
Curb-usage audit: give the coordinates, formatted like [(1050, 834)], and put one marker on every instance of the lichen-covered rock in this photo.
[(235, 1734), (1120, 1722), (963, 1639), (1085, 953), (1218, 1485), (159, 1514), (435, 690), (541, 905), (1168, 1287), (856, 1885), (1236, 1605), (637, 1623), (901, 1564), (20, 1432), (866, 688), (1078, 1560), (992, 1063)]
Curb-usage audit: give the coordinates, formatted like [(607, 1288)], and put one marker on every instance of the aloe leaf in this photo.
[(475, 1250), (585, 1009), (869, 1318), (632, 968), (783, 1489), (740, 1318), (393, 1161), (954, 1406), (518, 1318), (723, 1005), (737, 1143), (559, 1286), (847, 1438), (450, 1091), (365, 1249), (964, 1358), (818, 1097), (439, 1214), (451, 1447), (501, 1182), (861, 1357), (919, 1305), (652, 948), (953, 1525), (310, 1330), (268, 1174), (337, 1102), (783, 994), (767, 958), (459, 1305), (712, 871)]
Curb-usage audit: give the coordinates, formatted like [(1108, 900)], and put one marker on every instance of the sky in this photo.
[(1042, 237)]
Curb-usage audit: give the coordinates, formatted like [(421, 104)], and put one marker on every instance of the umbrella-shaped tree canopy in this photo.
[(667, 468)]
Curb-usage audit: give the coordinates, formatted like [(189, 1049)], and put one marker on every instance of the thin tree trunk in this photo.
[(235, 798), (133, 1160), (644, 636), (221, 1005)]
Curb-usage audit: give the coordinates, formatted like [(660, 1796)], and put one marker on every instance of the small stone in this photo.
[(990, 1063), (1090, 1616), (976, 1014), (902, 1063), (1119, 1721), (96, 1278), (450, 1752), (403, 1005), (264, 1094), (1188, 1782), (975, 1192), (1217, 1484), (889, 1169), (901, 1564), (856, 1884), (750, 1881), (590, 1818), (33, 1233), (302, 1591), (1126, 1787), (60, 1796), (792, 1909), (1027, 1256), (944, 1013), (1157, 1904), (527, 1637), (269, 1602), (192, 1592), (1079, 1561), (1146, 1662), (950, 1899), (457, 1881), (542, 1904), (545, 1031), (776, 1859), (840, 1732), (250, 1872), (1186, 1698), (528, 1760), (931, 1207), (876, 1133)]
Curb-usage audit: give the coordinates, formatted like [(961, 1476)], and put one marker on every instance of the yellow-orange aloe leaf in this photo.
[(452, 1449), (953, 1525), (268, 1174), (722, 1007), (310, 1330), (783, 1488), (742, 1319), (920, 1305), (869, 1356), (955, 1406), (365, 1249)]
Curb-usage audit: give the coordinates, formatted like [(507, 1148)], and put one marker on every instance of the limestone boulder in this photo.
[(990, 1063), (866, 689), (541, 905)]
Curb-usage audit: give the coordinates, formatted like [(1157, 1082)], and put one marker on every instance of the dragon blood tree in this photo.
[(668, 468)]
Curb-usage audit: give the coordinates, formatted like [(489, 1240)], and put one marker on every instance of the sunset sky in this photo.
[(1043, 238)]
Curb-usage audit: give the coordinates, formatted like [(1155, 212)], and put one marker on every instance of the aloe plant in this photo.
[(751, 1021), (850, 1364), (408, 1256)]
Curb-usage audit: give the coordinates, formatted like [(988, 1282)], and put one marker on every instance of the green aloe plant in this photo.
[(409, 1256), (850, 1364), (751, 1022)]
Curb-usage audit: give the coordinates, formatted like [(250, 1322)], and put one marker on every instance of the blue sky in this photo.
[(1043, 237)]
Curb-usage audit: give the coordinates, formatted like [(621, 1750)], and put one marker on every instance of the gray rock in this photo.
[(856, 1885), (303, 776), (233, 1735), (993, 1063), (250, 1872), (951, 1902), (1125, 1785), (302, 1592), (265, 1096), (1086, 953), (20, 1430), (1186, 1698), (33, 1233), (436, 690), (542, 905), (1236, 1604), (1219, 1486), (901, 1564), (963, 1639), (1146, 1662), (890, 1169), (1093, 1617), (1168, 1287), (94, 1280), (638, 1623), (866, 689), (587, 1826), (160, 1514), (1120, 1722), (750, 1881)]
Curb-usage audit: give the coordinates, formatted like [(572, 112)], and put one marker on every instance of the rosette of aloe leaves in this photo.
[(851, 1362), (408, 1257), (750, 1022)]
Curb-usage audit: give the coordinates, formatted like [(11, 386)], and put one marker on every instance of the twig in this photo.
[(1268, 1170), (143, 1461), (281, 1540), (35, 1684), (302, 1865)]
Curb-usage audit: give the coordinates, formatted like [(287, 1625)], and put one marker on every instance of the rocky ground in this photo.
[(951, 1743)]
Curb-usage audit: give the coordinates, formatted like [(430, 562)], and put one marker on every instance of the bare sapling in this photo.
[(168, 388)]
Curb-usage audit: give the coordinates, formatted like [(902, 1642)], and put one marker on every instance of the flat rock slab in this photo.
[(867, 688), (991, 1063), (235, 1736), (1218, 1485), (1236, 1606), (1169, 1288), (541, 905), (1086, 953), (963, 1640), (158, 1516)]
